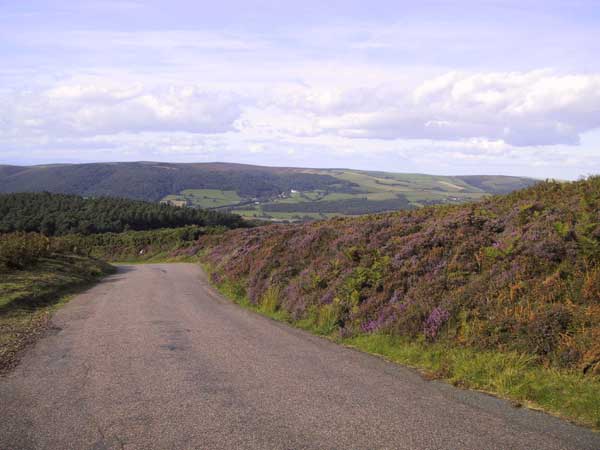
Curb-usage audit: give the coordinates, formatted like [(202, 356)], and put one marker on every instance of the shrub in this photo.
[(434, 322), (19, 250)]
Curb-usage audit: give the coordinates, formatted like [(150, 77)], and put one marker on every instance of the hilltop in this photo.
[(274, 193)]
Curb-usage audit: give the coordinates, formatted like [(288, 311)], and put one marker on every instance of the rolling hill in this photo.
[(457, 289), (274, 193)]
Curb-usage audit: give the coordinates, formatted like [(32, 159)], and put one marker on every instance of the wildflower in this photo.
[(434, 322)]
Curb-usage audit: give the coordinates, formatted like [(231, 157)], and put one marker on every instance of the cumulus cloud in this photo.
[(491, 113), (521, 109), (88, 110)]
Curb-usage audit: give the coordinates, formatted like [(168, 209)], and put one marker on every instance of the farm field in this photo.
[(369, 192), (205, 198)]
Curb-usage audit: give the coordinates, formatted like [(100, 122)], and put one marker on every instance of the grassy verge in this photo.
[(28, 297), (508, 375), (516, 377)]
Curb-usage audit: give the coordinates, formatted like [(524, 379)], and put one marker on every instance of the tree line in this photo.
[(61, 214)]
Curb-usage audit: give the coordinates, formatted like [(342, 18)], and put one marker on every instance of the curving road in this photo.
[(153, 358)]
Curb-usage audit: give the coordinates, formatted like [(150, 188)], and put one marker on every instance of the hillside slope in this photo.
[(519, 272), (153, 181), (274, 193)]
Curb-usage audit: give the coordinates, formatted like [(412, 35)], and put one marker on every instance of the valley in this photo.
[(258, 192)]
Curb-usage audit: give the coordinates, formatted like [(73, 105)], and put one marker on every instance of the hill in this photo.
[(519, 272), (501, 295), (274, 193), (60, 214)]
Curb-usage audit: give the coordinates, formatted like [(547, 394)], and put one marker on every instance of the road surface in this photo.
[(154, 358)]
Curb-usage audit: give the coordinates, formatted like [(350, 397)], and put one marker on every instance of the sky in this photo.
[(435, 86)]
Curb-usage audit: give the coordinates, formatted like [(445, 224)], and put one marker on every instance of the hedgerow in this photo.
[(18, 250), (22, 250)]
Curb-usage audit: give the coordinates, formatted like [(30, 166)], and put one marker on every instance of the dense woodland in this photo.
[(59, 214), (153, 181)]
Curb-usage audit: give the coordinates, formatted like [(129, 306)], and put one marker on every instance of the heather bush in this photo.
[(434, 322)]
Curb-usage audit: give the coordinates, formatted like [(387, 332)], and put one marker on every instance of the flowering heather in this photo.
[(434, 322), (327, 298), (386, 317), (518, 272)]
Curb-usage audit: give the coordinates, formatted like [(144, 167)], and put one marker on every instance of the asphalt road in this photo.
[(153, 358)]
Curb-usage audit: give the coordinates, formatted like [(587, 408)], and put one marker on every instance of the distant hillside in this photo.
[(60, 214), (153, 181), (273, 193)]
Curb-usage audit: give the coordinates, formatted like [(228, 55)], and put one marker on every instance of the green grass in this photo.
[(156, 258), (28, 297), (512, 376), (419, 189), (416, 187), (508, 375), (207, 198)]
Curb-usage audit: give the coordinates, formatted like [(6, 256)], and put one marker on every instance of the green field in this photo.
[(206, 198), (270, 193), (370, 192), (419, 190)]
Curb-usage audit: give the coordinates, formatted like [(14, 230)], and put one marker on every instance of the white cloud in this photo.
[(522, 109), (256, 148), (510, 122), (95, 109)]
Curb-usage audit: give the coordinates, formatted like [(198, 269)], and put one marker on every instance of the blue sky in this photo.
[(449, 87)]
